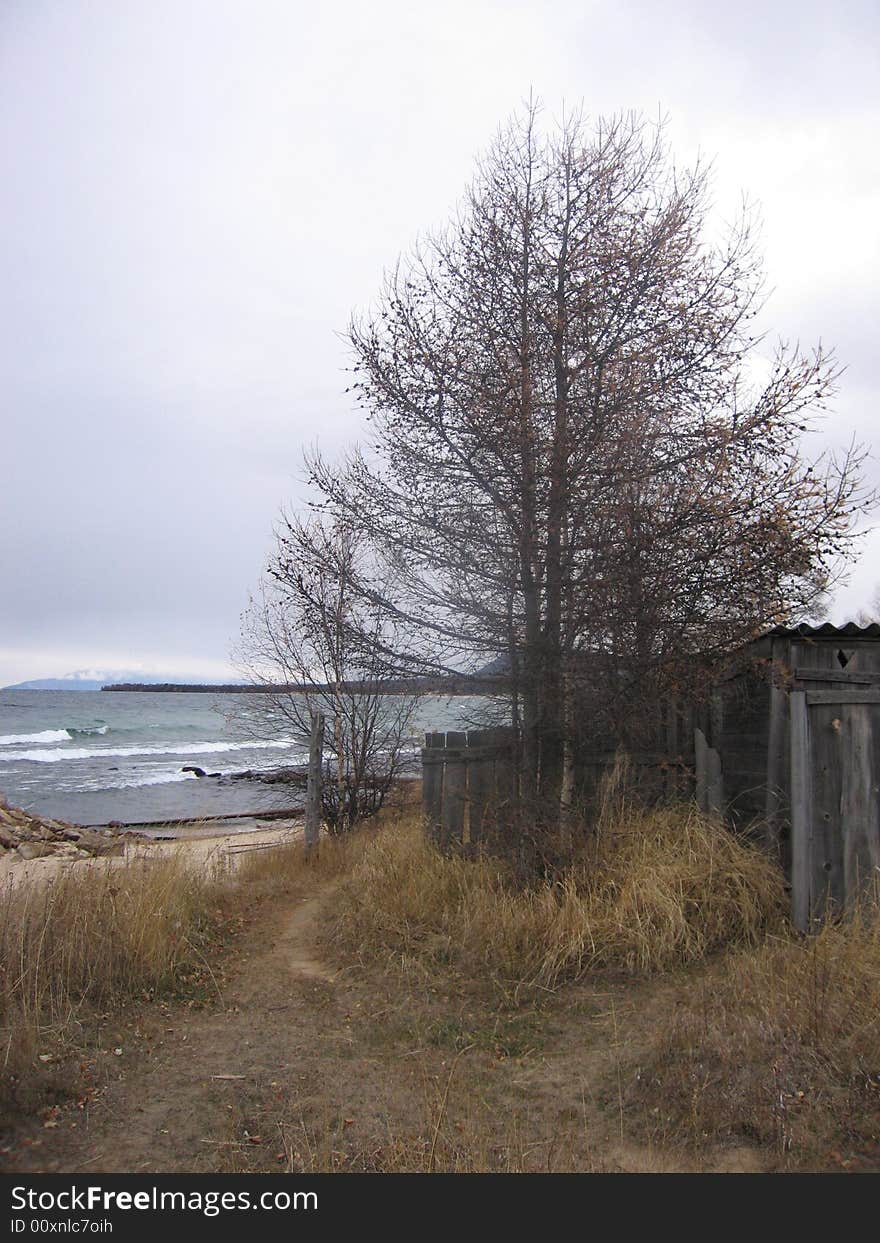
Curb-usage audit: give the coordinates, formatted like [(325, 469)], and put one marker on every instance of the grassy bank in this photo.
[(650, 891)]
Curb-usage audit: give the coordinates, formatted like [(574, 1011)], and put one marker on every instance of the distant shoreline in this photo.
[(419, 686)]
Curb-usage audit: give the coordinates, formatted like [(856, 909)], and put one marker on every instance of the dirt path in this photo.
[(300, 1064), (180, 1071)]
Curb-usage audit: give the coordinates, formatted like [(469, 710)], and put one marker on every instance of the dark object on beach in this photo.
[(192, 768)]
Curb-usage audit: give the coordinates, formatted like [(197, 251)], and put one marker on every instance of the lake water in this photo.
[(95, 756)]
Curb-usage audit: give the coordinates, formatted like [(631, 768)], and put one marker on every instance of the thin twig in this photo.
[(443, 1103)]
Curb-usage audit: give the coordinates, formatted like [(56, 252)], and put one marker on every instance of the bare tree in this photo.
[(569, 462), (317, 639)]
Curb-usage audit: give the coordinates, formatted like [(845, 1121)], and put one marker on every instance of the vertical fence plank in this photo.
[(454, 790), (801, 811), (673, 776), (714, 782), (776, 764), (481, 787), (432, 782), (715, 776), (506, 777)]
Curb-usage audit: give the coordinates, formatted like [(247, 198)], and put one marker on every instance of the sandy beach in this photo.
[(219, 843)]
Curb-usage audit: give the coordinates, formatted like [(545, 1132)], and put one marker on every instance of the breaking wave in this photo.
[(59, 755), (46, 735), (54, 735)]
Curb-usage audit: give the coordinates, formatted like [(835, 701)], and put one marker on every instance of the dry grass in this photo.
[(779, 1045), (651, 891), (88, 941), (291, 866), (448, 1133)]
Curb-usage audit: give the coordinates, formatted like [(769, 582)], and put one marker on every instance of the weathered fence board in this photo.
[(466, 777), (801, 811), (455, 774), (775, 800), (709, 780), (432, 778)]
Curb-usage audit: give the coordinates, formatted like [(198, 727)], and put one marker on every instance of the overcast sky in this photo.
[(196, 194)]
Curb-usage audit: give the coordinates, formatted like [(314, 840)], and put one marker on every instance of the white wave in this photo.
[(46, 735), (185, 749)]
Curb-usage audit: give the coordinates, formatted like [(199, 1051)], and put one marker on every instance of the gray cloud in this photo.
[(195, 197)]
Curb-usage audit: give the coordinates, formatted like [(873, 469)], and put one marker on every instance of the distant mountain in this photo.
[(94, 679), (55, 684), (496, 668)]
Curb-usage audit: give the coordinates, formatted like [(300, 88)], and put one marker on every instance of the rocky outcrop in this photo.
[(27, 836)]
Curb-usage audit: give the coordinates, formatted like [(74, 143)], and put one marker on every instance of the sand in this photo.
[(199, 845)]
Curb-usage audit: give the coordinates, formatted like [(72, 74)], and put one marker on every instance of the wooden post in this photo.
[(801, 812), (313, 789)]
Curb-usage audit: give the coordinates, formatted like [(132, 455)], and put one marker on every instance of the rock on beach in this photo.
[(24, 835)]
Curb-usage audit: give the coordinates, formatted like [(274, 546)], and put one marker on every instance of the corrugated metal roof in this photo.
[(851, 630)]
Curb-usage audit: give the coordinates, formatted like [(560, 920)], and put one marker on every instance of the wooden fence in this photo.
[(832, 795), (466, 778)]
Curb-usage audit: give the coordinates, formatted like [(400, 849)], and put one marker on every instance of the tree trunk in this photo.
[(313, 790)]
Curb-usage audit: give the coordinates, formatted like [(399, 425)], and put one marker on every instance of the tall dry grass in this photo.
[(779, 1045), (650, 890), (91, 939)]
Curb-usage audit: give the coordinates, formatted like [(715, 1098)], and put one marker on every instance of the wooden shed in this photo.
[(791, 746)]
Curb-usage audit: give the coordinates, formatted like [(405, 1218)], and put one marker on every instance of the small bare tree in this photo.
[(317, 639)]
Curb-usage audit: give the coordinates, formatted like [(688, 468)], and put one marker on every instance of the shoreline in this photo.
[(208, 848)]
